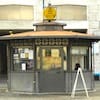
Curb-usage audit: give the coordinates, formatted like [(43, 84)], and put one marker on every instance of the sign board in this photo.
[(49, 13), (75, 83)]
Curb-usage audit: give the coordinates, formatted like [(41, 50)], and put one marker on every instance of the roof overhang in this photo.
[(50, 34)]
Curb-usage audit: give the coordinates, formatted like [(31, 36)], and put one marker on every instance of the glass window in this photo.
[(50, 58), (38, 57), (80, 55), (16, 12), (71, 12), (23, 58)]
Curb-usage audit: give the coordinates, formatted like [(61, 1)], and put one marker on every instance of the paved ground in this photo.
[(49, 97), (95, 95)]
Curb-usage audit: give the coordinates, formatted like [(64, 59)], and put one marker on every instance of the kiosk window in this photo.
[(51, 58), (23, 58), (80, 55)]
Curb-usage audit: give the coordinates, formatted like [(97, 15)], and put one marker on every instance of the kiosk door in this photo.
[(51, 76)]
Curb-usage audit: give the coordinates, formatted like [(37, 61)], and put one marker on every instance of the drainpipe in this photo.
[(43, 4)]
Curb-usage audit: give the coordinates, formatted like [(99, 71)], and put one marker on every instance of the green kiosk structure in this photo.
[(43, 61)]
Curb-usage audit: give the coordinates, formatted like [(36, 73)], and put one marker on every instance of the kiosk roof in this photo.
[(49, 34)]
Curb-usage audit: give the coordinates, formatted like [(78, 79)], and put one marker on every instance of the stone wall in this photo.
[(93, 16), (94, 28)]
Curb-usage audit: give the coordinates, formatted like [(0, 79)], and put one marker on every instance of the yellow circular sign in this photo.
[(49, 13)]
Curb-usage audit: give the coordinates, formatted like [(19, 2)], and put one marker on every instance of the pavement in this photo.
[(93, 95)]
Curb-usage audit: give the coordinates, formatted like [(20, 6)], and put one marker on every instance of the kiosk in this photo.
[(43, 61)]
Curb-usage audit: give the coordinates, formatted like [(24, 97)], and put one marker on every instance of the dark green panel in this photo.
[(52, 81), (22, 82)]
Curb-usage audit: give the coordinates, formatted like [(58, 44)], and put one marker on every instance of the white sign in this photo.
[(22, 55), (23, 66)]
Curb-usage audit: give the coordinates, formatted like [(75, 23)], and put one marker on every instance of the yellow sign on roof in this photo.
[(49, 13)]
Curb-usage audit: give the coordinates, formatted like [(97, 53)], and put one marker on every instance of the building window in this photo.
[(16, 12), (71, 12), (23, 59), (80, 55)]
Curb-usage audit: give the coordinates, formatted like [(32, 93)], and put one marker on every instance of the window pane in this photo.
[(80, 55), (16, 12), (23, 58), (79, 50), (49, 58), (51, 61), (38, 57), (71, 12)]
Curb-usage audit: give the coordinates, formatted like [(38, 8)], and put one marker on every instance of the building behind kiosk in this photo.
[(43, 61)]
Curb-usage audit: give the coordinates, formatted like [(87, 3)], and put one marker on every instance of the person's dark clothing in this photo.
[(77, 66)]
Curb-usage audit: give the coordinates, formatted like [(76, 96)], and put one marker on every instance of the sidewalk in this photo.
[(92, 96), (95, 95), (49, 97)]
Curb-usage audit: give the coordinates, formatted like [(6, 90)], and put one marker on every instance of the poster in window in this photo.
[(26, 50), (23, 66), (55, 53), (22, 55), (31, 54), (15, 50), (27, 55), (15, 56)]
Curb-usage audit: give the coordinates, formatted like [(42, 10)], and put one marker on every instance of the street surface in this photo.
[(94, 95)]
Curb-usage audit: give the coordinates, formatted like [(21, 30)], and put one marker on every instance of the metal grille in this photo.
[(51, 42)]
